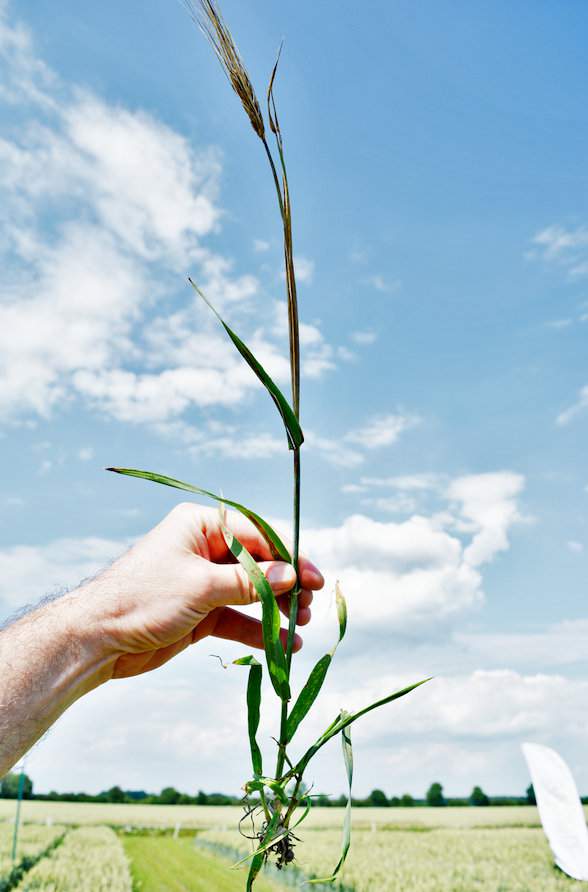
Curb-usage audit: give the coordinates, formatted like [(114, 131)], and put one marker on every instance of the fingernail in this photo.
[(281, 575), (315, 571)]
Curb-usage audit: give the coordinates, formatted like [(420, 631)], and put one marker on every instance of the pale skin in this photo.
[(178, 584)]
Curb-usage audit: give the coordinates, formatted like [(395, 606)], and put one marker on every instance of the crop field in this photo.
[(190, 849)]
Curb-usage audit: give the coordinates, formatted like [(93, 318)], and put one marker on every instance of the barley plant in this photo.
[(276, 804), (91, 859)]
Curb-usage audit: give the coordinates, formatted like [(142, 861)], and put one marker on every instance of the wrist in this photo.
[(90, 651)]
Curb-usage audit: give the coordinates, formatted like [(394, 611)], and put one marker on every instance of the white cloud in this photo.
[(260, 246), (316, 354), (333, 450), (131, 203), (380, 283), (488, 504), (396, 574), (411, 482), (224, 440), (575, 547), (562, 644), (559, 324), (304, 268), (364, 338), (567, 248), (381, 430), (86, 453), (83, 295), (484, 704), (349, 450), (576, 409), (28, 572)]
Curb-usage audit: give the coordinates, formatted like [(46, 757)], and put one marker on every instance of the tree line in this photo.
[(434, 797)]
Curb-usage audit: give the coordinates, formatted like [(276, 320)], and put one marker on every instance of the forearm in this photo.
[(48, 659)]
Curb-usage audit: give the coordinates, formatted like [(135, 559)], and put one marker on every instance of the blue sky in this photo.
[(437, 161)]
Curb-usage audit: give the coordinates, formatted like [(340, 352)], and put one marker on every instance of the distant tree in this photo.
[(378, 799), (406, 800), (478, 797), (435, 795), (323, 800), (169, 796), (530, 791), (115, 794), (9, 786), (136, 795), (394, 801), (201, 798)]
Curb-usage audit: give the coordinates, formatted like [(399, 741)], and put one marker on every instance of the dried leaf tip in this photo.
[(208, 16)]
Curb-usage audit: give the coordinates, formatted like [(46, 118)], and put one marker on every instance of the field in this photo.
[(190, 849)]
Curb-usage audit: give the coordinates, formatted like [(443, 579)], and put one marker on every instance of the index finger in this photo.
[(252, 538), (244, 530)]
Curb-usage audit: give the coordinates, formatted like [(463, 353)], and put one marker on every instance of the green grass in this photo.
[(164, 864)]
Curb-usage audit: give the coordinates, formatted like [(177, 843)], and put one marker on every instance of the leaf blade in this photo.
[(270, 614), (346, 841), (291, 423), (315, 680), (308, 695), (253, 709), (277, 547), (338, 724)]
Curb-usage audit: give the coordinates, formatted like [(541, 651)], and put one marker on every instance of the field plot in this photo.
[(90, 859), (206, 817), (33, 839), (393, 850), (163, 864), (493, 859)]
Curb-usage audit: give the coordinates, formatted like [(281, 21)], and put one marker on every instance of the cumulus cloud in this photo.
[(104, 209), (428, 566), (487, 503)]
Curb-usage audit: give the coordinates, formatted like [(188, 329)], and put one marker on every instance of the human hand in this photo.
[(174, 587)]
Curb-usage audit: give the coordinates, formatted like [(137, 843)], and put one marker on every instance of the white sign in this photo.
[(560, 809)]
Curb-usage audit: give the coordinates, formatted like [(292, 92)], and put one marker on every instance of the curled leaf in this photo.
[(277, 547)]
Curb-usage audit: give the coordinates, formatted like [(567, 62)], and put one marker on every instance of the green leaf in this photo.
[(304, 813), (340, 723), (253, 709), (254, 869), (315, 680), (258, 859), (277, 547), (270, 615), (307, 695), (348, 759), (293, 429)]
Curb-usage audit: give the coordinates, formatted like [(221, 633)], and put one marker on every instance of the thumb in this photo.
[(229, 583)]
